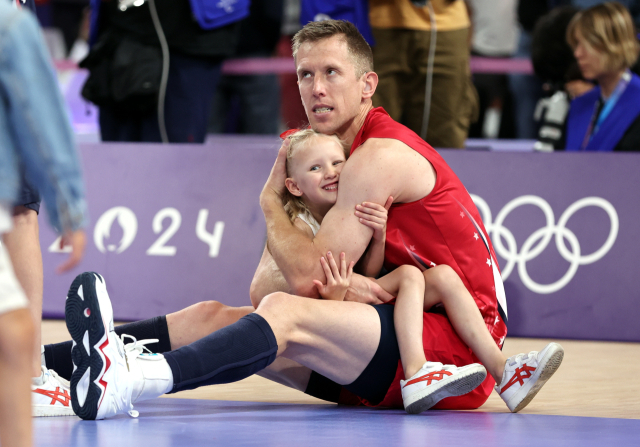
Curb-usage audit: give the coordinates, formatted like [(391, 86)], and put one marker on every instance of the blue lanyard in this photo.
[(609, 104)]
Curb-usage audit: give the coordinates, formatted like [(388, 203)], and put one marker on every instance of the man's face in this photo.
[(330, 91)]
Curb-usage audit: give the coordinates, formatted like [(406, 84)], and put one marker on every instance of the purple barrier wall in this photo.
[(175, 225), (170, 226)]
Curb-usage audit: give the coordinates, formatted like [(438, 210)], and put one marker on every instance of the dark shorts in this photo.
[(29, 196), (377, 377)]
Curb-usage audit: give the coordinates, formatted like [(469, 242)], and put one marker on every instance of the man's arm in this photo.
[(268, 278), (378, 169)]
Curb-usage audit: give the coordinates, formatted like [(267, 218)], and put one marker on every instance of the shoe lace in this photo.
[(63, 382), (521, 358), (137, 347)]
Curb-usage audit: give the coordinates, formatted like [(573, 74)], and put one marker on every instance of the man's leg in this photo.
[(23, 246), (172, 331), (336, 339), (180, 329), (201, 319)]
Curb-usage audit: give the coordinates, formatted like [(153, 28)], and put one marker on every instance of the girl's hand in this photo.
[(338, 281), (375, 216)]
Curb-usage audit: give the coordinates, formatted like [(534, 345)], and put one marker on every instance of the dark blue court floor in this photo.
[(198, 423)]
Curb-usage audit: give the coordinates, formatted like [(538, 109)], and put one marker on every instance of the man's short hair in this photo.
[(608, 29), (358, 48)]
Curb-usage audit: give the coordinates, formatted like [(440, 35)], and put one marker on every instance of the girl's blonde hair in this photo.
[(608, 29), (294, 205)]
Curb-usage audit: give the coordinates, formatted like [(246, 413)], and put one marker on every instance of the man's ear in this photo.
[(292, 186), (370, 84)]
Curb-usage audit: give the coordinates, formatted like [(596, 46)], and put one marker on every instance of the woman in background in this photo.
[(605, 45)]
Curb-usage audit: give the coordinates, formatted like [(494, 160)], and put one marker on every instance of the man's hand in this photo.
[(275, 182), (77, 240), (338, 280), (366, 290)]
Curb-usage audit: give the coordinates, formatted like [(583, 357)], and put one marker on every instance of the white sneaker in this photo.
[(525, 374), (100, 384), (436, 381), (150, 373), (51, 398)]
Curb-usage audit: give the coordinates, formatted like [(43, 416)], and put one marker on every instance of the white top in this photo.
[(495, 27), (5, 218), (311, 221)]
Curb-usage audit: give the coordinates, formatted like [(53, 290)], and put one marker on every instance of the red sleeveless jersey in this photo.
[(442, 228)]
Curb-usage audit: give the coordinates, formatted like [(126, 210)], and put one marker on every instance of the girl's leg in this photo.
[(407, 283), (16, 343), (443, 285)]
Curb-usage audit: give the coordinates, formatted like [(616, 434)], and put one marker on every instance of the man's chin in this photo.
[(323, 127)]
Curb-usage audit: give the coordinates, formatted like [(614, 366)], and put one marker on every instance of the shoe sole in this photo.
[(462, 384), (545, 370), (39, 411), (80, 324)]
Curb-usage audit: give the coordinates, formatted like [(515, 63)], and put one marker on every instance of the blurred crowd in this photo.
[(177, 92)]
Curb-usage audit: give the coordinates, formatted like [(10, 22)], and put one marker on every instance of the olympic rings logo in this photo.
[(530, 250)]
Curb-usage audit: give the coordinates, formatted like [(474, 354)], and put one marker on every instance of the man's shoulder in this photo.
[(382, 148), (388, 158)]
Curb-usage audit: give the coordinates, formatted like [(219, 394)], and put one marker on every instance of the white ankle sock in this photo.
[(154, 378)]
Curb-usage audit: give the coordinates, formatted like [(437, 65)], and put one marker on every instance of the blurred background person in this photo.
[(526, 89), (403, 33), (495, 34), (250, 104), (605, 44), (555, 65), (126, 62), (292, 112)]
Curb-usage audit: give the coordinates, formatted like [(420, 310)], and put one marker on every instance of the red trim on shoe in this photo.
[(102, 382), (432, 376), (55, 396), (522, 373)]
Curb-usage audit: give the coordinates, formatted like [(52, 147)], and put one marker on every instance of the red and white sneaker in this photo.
[(525, 374), (435, 381), (50, 395)]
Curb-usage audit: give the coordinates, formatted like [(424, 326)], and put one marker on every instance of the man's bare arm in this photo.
[(268, 278), (377, 170)]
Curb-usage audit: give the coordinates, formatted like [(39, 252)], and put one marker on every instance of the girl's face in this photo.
[(315, 171)]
